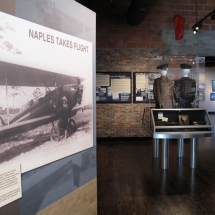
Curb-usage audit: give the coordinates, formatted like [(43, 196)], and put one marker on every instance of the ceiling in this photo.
[(134, 10)]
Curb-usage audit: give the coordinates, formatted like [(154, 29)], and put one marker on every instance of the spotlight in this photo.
[(195, 31), (199, 26), (213, 16)]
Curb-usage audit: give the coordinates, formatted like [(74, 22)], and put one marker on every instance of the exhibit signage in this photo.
[(113, 87), (10, 185), (32, 45), (39, 67), (143, 86)]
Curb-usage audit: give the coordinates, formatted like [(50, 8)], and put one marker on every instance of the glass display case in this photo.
[(144, 81), (179, 124), (192, 91)]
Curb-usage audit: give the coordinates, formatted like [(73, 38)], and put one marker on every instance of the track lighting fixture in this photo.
[(197, 27), (213, 16), (199, 24)]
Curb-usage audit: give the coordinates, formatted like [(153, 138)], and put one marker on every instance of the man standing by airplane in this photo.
[(64, 115)]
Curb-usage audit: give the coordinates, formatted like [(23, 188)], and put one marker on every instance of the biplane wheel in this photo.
[(55, 134), (72, 126)]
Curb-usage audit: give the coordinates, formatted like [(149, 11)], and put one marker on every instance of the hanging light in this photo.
[(199, 24)]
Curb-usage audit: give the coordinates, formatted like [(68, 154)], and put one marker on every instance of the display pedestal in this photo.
[(180, 147), (193, 153), (179, 124), (165, 154)]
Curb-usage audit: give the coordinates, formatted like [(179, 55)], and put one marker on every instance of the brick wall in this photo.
[(121, 47)]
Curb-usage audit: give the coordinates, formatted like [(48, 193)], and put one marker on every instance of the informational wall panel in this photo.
[(113, 87), (143, 86), (210, 89)]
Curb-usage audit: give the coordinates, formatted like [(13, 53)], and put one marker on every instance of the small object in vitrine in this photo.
[(199, 122), (183, 120)]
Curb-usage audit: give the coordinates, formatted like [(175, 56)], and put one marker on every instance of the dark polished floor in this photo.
[(131, 182)]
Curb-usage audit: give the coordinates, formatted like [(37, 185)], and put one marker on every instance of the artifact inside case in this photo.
[(181, 117), (183, 120)]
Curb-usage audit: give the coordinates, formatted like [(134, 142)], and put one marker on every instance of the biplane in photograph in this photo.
[(44, 109)]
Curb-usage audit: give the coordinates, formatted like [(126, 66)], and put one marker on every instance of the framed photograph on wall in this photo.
[(213, 85), (212, 96)]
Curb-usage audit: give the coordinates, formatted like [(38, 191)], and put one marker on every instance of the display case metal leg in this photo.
[(155, 147), (165, 154), (180, 147), (193, 152)]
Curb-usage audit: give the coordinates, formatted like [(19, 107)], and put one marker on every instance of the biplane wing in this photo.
[(20, 127), (17, 128), (18, 75)]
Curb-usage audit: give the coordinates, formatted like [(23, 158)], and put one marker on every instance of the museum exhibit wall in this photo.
[(209, 89), (209, 92), (124, 48), (68, 185)]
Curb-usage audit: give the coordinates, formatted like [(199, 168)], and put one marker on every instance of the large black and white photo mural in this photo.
[(46, 102)]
